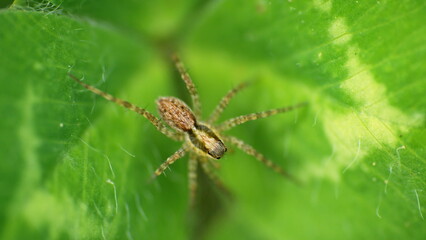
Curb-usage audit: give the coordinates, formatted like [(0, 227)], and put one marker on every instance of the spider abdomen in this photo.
[(176, 113)]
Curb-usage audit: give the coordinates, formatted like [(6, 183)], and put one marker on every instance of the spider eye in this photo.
[(218, 151)]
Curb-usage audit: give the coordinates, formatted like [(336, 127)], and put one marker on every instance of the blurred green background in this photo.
[(74, 166)]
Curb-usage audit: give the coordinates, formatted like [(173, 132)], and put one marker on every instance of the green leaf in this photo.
[(74, 166)]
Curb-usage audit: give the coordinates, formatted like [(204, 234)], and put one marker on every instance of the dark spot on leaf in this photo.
[(5, 3)]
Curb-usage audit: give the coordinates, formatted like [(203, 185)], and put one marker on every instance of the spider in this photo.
[(203, 140)]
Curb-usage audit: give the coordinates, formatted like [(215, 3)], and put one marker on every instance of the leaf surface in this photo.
[(75, 166)]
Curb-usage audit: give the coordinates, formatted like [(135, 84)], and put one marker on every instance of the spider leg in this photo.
[(192, 178), (225, 101), (189, 85), (154, 120), (175, 156), (251, 151), (213, 177), (253, 116)]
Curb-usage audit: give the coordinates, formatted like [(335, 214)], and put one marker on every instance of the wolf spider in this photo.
[(203, 140)]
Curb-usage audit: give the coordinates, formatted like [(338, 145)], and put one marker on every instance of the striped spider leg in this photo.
[(153, 119), (192, 177), (233, 122), (196, 104), (206, 165)]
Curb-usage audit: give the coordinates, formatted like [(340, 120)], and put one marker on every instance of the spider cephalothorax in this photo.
[(203, 140)]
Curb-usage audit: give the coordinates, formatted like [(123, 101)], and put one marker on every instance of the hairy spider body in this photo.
[(176, 114), (203, 140), (199, 136)]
